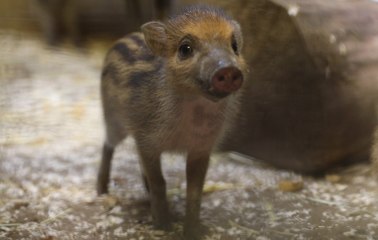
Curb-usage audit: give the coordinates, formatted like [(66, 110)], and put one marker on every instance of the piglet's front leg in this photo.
[(151, 166), (196, 168)]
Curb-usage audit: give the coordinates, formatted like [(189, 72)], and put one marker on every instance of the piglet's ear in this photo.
[(155, 36), (238, 34)]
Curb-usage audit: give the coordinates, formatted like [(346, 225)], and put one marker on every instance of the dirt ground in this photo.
[(50, 141)]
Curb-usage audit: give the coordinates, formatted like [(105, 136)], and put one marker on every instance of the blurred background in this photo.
[(59, 20), (59, 44)]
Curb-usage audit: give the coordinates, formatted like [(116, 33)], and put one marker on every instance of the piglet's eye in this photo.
[(185, 50)]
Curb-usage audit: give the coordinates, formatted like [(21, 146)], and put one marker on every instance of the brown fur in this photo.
[(167, 103)]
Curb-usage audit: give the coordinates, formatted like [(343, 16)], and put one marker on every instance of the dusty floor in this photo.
[(50, 137)]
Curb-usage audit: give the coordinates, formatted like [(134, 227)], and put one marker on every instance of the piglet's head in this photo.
[(201, 49)]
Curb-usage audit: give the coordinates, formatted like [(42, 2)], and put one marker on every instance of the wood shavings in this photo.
[(269, 210), (217, 186), (322, 201), (62, 213), (109, 201), (250, 232), (290, 186), (17, 204), (333, 178)]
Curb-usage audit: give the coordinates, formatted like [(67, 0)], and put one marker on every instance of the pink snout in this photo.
[(227, 80)]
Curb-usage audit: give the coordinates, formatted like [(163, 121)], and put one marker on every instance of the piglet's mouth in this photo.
[(209, 92), (216, 95)]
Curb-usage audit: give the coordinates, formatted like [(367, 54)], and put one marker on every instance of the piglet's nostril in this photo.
[(227, 80)]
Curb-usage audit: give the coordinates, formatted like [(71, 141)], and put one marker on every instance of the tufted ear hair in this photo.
[(238, 34), (155, 35)]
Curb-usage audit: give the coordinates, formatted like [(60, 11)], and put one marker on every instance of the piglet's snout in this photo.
[(227, 80)]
